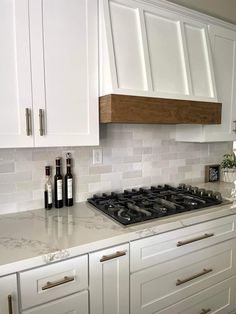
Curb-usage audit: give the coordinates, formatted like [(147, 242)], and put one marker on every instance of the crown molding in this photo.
[(163, 4)]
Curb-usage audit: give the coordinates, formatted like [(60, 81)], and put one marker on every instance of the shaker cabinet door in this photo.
[(8, 295), (64, 51), (109, 281), (15, 76), (224, 57)]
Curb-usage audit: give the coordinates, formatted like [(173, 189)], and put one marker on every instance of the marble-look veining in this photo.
[(38, 237)]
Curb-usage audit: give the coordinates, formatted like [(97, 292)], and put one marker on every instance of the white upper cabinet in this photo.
[(15, 76), (149, 51), (48, 73), (223, 43), (64, 49)]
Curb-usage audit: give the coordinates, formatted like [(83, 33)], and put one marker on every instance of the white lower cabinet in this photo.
[(74, 304), (165, 284), (109, 281), (8, 295), (191, 270), (157, 249), (51, 282), (218, 299)]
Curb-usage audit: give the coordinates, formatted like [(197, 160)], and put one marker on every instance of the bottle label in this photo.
[(59, 190), (49, 189), (69, 188)]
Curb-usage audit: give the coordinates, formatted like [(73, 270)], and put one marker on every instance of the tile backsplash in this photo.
[(133, 155)]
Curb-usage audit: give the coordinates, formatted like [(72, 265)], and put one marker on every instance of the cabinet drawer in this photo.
[(160, 248), (160, 286), (76, 304), (53, 281), (218, 299)]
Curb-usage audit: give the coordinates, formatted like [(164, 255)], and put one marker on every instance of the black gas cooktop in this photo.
[(138, 205)]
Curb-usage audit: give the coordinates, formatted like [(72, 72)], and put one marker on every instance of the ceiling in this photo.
[(223, 9)]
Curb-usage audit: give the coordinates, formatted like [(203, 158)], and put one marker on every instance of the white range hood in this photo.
[(148, 50)]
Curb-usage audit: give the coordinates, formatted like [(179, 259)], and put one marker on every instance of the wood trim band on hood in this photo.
[(134, 109)]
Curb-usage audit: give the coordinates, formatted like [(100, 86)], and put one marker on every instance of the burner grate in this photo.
[(138, 205)]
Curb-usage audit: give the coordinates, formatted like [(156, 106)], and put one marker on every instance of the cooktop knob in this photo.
[(209, 193), (188, 187), (201, 192), (195, 190), (217, 196)]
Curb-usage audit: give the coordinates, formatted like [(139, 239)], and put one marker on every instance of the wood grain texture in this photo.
[(134, 109)]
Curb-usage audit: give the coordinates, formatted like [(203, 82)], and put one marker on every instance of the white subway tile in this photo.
[(133, 156)]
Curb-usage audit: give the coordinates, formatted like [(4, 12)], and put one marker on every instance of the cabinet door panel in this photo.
[(15, 80), (64, 66), (198, 60), (109, 282), (8, 287), (127, 43), (164, 37), (74, 304), (224, 57)]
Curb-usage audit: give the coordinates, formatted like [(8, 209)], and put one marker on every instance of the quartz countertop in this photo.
[(34, 238)]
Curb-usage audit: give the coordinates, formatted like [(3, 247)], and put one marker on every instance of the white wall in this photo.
[(224, 9)]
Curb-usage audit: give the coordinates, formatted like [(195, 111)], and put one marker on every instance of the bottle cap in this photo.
[(68, 159), (58, 161), (47, 170)]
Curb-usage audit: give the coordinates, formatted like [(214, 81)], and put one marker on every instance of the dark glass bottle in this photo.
[(48, 189), (58, 185), (68, 182)]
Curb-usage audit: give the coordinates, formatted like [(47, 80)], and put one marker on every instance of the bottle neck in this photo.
[(58, 170), (48, 178), (68, 169)]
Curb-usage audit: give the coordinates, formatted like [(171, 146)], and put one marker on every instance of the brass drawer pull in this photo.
[(50, 284), (205, 236), (111, 256), (203, 311), (10, 310), (204, 272)]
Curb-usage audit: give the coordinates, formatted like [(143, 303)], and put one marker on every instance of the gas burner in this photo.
[(137, 205)]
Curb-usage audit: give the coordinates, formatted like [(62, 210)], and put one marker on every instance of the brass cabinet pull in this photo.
[(28, 122), (111, 256), (205, 236), (10, 310), (50, 284), (204, 272), (203, 311), (41, 123)]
